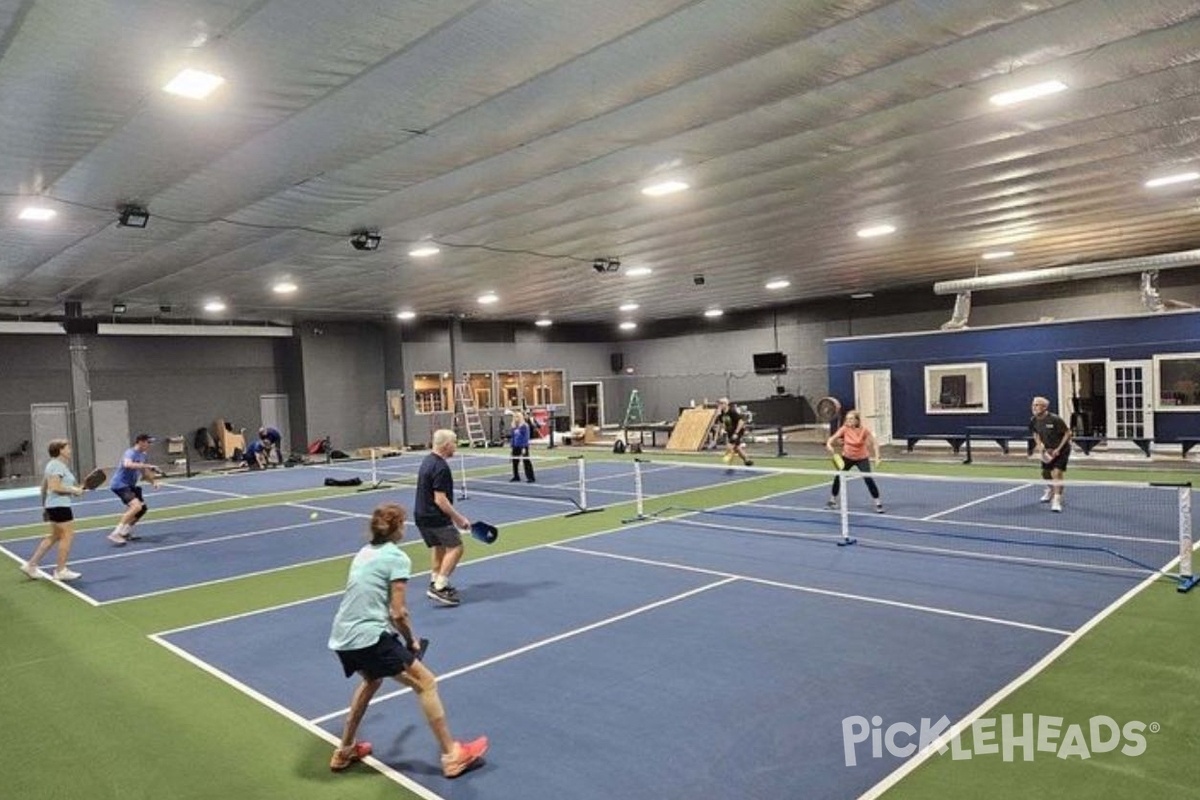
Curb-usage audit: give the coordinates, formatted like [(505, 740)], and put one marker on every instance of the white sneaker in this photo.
[(117, 539), (1047, 497), (66, 574), (1056, 505), (31, 571)]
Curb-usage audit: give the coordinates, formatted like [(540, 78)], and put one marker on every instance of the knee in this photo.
[(423, 680), (1047, 474)]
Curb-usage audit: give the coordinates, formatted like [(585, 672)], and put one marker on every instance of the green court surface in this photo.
[(94, 709)]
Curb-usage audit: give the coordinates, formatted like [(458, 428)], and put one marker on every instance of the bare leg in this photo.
[(64, 544), (44, 545), (450, 561), (358, 707), (424, 685)]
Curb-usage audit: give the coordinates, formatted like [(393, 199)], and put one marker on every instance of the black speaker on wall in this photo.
[(617, 360), (75, 325)]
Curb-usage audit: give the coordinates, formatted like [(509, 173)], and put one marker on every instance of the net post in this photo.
[(638, 493), (967, 442), (462, 474), (844, 514), (583, 504), (1187, 579)]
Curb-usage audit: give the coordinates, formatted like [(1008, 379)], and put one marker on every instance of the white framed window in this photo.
[(1178, 383), (956, 388)]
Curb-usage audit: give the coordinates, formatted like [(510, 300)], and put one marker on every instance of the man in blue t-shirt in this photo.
[(255, 456), (272, 440), (131, 467), (437, 519)]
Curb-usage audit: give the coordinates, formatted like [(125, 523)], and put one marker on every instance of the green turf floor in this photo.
[(93, 709)]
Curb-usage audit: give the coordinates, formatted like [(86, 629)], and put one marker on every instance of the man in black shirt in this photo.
[(735, 430), (1051, 438), (437, 519)]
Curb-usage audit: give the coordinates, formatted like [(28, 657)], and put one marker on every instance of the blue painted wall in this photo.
[(1022, 362)]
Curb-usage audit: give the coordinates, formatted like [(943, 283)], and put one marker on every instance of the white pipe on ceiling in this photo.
[(1075, 272)]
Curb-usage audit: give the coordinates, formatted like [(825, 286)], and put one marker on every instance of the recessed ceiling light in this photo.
[(861, 295), (406, 315), (666, 187), (488, 298), (627, 325), (1028, 93), (194, 84), (782, 283), (422, 252), (992, 255), (713, 312), (876, 230), (284, 287), (37, 213), (1167, 180), (638, 272), (544, 322), (214, 306), (628, 307)]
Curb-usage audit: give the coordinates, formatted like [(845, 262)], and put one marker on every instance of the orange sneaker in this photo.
[(344, 758), (466, 755)]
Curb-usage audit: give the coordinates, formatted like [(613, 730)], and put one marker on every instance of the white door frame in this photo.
[(272, 402), (48, 421), (873, 401), (1147, 398), (599, 399)]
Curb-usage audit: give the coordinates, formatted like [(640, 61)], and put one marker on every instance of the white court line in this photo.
[(978, 501), (211, 491), (487, 662), (285, 712), (143, 550), (158, 520), (994, 526), (472, 562), (109, 499), (956, 730), (65, 586), (269, 570), (945, 612)]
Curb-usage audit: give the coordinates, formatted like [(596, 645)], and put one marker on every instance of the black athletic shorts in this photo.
[(385, 659), (59, 514)]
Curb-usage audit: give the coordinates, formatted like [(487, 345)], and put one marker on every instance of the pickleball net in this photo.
[(1126, 528), (556, 479)]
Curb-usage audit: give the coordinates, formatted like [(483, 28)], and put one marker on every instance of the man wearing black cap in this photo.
[(124, 485)]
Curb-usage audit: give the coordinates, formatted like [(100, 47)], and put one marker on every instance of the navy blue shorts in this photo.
[(129, 493), (59, 514), (385, 659)]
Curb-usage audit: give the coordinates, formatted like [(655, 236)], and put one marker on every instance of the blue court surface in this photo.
[(212, 546), (670, 659)]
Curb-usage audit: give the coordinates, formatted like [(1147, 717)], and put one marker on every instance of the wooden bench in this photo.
[(955, 440)]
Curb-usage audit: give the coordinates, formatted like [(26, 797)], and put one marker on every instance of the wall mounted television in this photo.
[(770, 363)]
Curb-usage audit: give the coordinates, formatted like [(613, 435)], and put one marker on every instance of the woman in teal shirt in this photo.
[(58, 487), (367, 634)]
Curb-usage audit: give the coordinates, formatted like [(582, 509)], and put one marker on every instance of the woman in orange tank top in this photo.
[(858, 446)]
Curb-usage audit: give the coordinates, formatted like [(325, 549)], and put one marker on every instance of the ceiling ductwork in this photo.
[(1076, 272)]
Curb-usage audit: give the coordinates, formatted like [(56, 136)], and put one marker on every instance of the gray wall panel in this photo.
[(344, 384)]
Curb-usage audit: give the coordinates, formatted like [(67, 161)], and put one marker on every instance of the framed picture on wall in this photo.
[(956, 388)]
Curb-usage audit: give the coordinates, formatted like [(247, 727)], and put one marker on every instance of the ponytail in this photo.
[(386, 520)]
